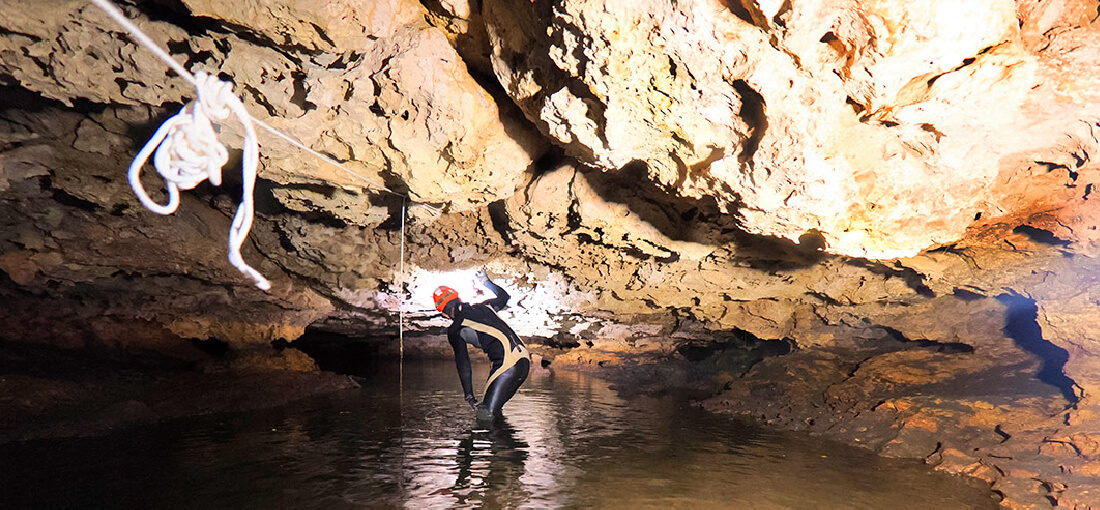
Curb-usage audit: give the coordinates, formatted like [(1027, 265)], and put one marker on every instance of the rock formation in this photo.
[(901, 195)]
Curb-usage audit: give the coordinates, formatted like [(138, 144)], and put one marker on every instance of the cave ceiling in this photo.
[(807, 171)]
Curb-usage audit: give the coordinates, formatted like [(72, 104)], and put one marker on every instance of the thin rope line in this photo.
[(289, 139), (401, 303), (114, 12), (401, 319), (322, 157)]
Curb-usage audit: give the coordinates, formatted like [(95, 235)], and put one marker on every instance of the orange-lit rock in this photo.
[(886, 128), (873, 219)]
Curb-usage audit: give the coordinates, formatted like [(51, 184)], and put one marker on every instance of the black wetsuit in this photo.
[(479, 325)]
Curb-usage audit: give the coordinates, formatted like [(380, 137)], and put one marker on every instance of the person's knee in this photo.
[(504, 388)]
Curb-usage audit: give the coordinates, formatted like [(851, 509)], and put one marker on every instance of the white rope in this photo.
[(401, 303), (116, 14), (186, 151), (149, 44), (401, 317)]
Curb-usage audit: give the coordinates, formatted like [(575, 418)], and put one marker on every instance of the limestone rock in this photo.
[(745, 169), (408, 109), (73, 50), (841, 120), (393, 99), (464, 25), (326, 25)]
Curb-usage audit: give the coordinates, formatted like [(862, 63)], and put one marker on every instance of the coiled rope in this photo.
[(186, 150)]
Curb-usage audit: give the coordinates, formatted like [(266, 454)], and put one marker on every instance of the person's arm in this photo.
[(500, 301), (462, 361)]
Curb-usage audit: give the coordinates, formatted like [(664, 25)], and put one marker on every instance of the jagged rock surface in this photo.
[(904, 194), (885, 128)]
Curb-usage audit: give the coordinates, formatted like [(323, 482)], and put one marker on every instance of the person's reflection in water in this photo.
[(490, 464)]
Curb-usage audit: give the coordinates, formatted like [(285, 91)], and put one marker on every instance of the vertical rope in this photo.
[(401, 304), (186, 150), (401, 309)]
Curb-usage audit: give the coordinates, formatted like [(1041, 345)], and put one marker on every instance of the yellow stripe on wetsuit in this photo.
[(512, 354)]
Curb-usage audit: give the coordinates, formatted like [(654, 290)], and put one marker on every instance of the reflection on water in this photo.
[(567, 440)]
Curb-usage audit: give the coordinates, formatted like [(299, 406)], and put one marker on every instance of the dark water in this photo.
[(568, 441)]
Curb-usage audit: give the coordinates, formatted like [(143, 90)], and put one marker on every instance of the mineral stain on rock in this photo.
[(895, 200)]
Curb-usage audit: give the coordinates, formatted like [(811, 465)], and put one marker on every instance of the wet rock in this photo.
[(50, 393), (261, 360), (978, 424), (719, 169), (764, 120)]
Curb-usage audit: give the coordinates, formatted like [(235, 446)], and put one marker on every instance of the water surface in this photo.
[(408, 439)]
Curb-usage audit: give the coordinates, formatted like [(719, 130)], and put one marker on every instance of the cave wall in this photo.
[(839, 175)]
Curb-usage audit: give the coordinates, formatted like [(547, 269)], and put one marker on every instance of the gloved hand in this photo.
[(482, 278), (472, 400)]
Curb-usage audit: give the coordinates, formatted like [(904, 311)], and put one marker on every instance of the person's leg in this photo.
[(505, 385)]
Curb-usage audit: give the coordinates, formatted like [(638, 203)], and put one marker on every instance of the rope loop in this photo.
[(215, 95), (186, 151)]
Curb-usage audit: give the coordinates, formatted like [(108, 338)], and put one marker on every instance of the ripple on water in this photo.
[(410, 440)]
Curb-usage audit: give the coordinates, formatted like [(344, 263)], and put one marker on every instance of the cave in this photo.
[(865, 224)]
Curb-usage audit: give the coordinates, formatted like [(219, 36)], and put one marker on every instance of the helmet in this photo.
[(442, 296)]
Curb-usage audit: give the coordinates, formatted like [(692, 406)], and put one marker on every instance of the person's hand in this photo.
[(472, 400), (482, 278)]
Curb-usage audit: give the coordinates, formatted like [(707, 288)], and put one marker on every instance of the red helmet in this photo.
[(442, 296)]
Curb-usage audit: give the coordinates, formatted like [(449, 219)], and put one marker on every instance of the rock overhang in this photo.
[(808, 172)]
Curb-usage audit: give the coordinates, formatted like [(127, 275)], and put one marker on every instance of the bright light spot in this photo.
[(424, 283), (537, 307)]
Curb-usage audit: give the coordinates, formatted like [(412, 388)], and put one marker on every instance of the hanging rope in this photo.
[(116, 14), (401, 287), (186, 150), (401, 316)]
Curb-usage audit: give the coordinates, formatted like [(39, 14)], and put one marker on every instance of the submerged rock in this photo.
[(900, 195)]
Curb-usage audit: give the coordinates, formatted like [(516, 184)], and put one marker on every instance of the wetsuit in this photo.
[(479, 325)]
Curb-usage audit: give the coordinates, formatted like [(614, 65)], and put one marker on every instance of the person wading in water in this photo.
[(479, 326)]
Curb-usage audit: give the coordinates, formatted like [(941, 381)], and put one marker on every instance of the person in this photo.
[(479, 326)]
